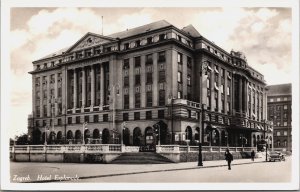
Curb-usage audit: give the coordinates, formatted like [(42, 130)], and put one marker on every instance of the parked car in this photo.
[(274, 155)]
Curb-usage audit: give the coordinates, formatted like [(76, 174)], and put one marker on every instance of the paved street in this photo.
[(243, 170)]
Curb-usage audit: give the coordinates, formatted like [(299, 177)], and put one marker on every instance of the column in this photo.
[(240, 95), (92, 86), (155, 88), (48, 97), (41, 97), (56, 95), (75, 90), (101, 86), (83, 88), (225, 91)]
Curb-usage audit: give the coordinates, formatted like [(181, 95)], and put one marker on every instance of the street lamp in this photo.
[(172, 127), (122, 129), (100, 137), (157, 132), (83, 129), (204, 68)]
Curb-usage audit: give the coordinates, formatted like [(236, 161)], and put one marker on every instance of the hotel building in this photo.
[(120, 88)]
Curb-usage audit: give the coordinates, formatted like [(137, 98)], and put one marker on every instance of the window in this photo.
[(179, 58), (96, 118), (86, 119), (162, 37), (126, 101), (77, 119), (45, 110), (44, 123), (138, 43), (228, 90), (137, 79), (149, 99), (105, 117), (162, 56), (189, 62), (285, 124), (271, 100), (179, 94), (161, 101), (125, 117), (189, 80), (278, 133), (149, 40), (126, 81), (149, 78), (285, 98), (278, 99), (179, 77), (59, 122), (148, 114), (149, 59), (137, 61), (137, 100), (126, 46), (285, 133), (136, 115), (126, 64), (285, 107), (161, 76), (161, 113), (69, 120)]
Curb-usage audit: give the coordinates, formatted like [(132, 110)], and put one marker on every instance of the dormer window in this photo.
[(162, 37), (149, 40), (126, 46), (138, 43), (45, 65), (178, 37), (38, 67), (52, 63)]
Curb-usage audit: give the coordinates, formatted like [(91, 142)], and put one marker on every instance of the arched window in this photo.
[(137, 136)]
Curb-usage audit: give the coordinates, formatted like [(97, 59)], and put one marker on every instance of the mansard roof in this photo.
[(141, 29), (280, 89)]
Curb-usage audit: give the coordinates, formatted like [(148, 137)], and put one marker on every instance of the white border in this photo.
[(5, 94)]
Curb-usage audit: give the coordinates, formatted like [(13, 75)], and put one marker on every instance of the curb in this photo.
[(140, 172)]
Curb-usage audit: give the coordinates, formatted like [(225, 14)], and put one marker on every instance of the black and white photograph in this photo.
[(178, 95)]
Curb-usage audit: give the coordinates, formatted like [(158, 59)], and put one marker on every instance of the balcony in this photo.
[(187, 102)]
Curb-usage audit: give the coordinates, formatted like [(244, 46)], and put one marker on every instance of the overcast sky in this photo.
[(263, 34)]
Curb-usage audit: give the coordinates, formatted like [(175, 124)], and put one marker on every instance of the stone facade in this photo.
[(155, 74)]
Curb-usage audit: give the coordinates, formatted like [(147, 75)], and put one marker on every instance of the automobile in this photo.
[(274, 155)]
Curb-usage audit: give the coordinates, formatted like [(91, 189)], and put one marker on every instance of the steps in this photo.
[(141, 158)]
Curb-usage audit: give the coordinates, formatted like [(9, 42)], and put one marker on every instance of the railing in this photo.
[(129, 149), (117, 148), (187, 102)]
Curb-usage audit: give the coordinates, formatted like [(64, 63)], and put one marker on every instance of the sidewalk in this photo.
[(85, 171)]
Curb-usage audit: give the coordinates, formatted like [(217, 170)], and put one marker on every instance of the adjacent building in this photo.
[(280, 113), (154, 82)]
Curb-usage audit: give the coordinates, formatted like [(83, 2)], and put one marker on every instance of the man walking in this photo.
[(252, 155), (228, 158)]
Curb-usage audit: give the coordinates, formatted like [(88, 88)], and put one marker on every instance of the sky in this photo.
[(262, 34)]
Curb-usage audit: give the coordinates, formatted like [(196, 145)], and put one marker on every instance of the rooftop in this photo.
[(281, 89)]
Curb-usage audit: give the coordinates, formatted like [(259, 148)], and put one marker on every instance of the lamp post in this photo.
[(265, 131), (172, 119), (204, 68), (157, 129), (122, 129), (100, 137), (84, 128)]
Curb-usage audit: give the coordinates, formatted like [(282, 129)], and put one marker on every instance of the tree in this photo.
[(22, 139)]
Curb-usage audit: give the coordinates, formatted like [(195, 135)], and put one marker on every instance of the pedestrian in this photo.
[(228, 158), (252, 155)]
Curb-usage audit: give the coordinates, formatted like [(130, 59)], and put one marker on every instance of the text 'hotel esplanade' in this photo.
[(119, 87)]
